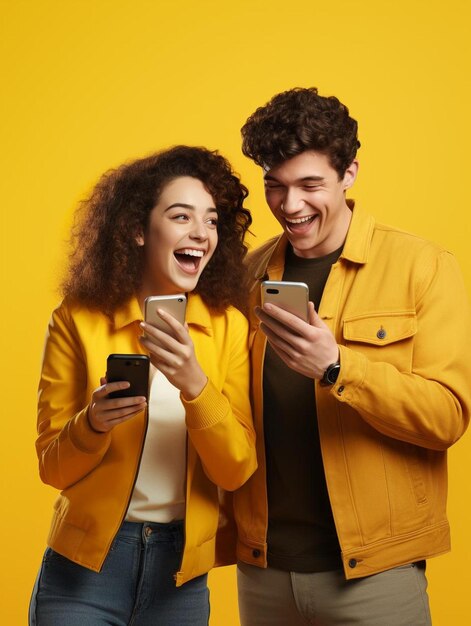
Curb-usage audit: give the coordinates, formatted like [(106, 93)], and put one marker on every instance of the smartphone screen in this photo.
[(291, 296), (134, 368), (175, 305)]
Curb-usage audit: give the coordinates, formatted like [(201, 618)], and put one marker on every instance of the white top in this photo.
[(159, 492)]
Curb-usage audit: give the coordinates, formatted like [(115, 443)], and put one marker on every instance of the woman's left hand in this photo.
[(173, 353)]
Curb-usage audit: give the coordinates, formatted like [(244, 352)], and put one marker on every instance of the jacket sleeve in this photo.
[(67, 447), (428, 406), (220, 422)]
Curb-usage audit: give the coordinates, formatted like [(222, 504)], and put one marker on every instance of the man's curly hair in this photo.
[(106, 264), (298, 120)]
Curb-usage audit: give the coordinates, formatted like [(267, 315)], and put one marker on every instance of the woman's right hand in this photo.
[(105, 413)]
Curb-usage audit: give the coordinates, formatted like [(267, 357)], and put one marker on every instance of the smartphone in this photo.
[(134, 368), (174, 305), (291, 296)]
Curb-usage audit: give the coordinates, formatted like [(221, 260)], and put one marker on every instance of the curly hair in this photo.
[(298, 120), (106, 266)]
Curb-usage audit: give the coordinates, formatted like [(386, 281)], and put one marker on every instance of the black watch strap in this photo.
[(330, 375)]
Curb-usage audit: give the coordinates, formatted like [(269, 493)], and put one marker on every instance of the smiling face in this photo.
[(180, 239), (308, 199)]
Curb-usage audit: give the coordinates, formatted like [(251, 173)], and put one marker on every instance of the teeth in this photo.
[(190, 252), (299, 220)]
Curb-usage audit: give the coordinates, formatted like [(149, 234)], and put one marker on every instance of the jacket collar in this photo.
[(356, 248), (358, 242), (197, 314)]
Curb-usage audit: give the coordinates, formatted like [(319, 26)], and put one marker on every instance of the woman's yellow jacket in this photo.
[(97, 471)]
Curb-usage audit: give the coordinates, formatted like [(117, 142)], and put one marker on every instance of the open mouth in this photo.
[(189, 259), (299, 224)]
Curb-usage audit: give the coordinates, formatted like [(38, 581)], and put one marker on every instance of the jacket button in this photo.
[(340, 390), (256, 553), (352, 563), (381, 334)]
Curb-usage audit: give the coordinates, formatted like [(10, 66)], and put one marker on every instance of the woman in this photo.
[(133, 533)]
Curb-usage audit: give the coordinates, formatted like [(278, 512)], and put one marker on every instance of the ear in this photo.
[(140, 239), (350, 175)]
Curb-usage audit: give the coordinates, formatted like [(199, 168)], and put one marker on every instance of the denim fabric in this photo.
[(136, 586)]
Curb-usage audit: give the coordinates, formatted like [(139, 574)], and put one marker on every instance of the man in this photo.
[(354, 409)]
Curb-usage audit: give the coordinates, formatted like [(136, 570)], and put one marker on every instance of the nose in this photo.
[(198, 231), (292, 201)]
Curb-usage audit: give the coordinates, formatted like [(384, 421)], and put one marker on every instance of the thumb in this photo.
[(314, 319)]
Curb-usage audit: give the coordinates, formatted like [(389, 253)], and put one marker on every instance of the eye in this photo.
[(212, 221), (180, 217)]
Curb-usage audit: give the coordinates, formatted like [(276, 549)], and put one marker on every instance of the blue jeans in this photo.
[(136, 586)]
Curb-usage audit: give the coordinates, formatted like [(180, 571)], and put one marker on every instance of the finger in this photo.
[(168, 351), (278, 332), (157, 352), (175, 328), (276, 340), (314, 318), (174, 324), (118, 413), (124, 418), (285, 317), (267, 319), (159, 337), (107, 388), (167, 362), (109, 420), (111, 404), (280, 329), (116, 407), (284, 355)]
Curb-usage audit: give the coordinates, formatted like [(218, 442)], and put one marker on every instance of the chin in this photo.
[(187, 286)]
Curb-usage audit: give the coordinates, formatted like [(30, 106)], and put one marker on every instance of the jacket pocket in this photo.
[(386, 337)]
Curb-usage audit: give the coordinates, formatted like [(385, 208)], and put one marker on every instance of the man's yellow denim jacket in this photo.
[(400, 314)]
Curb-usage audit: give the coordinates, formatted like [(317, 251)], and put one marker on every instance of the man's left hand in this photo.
[(306, 347)]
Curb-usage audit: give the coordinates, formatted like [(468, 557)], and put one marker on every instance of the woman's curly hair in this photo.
[(106, 264), (298, 120)]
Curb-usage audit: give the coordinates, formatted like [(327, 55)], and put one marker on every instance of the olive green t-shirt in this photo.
[(301, 530)]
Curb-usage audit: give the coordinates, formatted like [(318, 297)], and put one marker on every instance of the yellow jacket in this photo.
[(400, 314), (96, 472)]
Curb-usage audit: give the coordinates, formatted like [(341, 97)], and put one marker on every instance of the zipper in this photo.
[(262, 429), (136, 473), (186, 507)]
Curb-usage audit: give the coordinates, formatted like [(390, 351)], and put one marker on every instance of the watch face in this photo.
[(331, 374)]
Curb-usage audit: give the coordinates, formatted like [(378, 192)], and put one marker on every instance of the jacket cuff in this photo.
[(207, 409), (353, 366), (84, 437)]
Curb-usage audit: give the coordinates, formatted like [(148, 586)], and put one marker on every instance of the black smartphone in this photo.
[(133, 368), (291, 296)]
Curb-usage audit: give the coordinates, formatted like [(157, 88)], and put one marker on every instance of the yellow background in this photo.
[(88, 84)]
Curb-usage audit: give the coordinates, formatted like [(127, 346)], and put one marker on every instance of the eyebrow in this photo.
[(182, 205), (305, 179)]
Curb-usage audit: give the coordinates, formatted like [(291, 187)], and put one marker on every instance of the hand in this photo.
[(174, 355), (306, 347), (105, 413)]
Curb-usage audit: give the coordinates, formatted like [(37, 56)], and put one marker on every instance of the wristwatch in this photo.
[(330, 375)]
